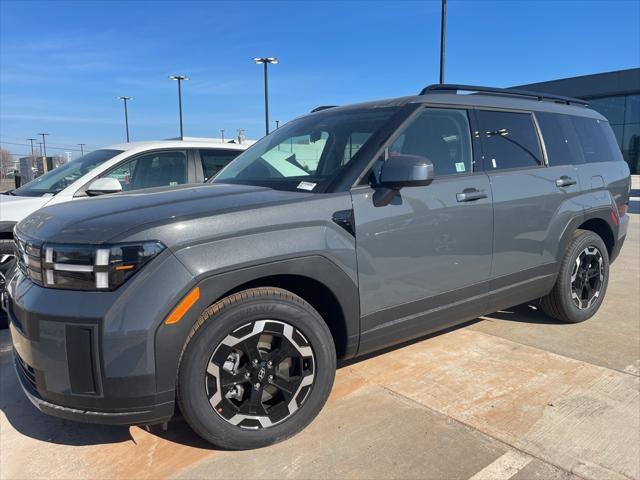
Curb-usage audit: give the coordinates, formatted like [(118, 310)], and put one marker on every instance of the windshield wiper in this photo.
[(9, 192)]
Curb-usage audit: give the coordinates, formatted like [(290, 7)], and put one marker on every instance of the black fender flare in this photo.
[(170, 339)]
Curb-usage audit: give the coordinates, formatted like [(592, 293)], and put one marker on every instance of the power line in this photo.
[(49, 146)]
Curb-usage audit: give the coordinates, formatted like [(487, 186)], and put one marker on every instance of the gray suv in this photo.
[(345, 231)]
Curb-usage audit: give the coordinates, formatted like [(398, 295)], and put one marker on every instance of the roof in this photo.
[(438, 98), (188, 142)]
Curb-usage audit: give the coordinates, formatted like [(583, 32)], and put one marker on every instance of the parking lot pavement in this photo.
[(514, 395)]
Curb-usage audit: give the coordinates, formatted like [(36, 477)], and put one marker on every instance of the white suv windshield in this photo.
[(60, 178)]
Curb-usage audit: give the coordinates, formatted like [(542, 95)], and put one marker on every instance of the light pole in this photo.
[(443, 30), (126, 114), (222, 134), (266, 61), (82, 149), (277, 124), (44, 144), (179, 79)]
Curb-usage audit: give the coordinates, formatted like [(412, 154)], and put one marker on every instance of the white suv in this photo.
[(123, 167)]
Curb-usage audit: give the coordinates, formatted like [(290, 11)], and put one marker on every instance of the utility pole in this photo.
[(266, 61), (443, 31), (277, 124), (126, 114), (82, 149), (179, 79), (222, 134), (33, 155), (44, 144)]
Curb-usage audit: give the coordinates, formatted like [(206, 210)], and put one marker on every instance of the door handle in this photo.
[(565, 181), (470, 194)]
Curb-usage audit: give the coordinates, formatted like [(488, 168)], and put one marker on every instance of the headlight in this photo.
[(86, 267)]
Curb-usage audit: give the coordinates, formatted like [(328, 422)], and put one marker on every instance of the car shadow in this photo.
[(30, 422)]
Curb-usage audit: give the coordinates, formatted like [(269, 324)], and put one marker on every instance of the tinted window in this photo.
[(560, 139), (441, 135), (215, 160), (596, 139), (152, 170), (509, 140)]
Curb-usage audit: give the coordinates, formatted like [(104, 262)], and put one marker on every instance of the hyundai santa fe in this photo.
[(345, 231)]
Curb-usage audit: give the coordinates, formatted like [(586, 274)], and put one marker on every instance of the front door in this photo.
[(424, 260)]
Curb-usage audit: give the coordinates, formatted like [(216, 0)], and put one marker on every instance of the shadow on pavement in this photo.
[(30, 422)]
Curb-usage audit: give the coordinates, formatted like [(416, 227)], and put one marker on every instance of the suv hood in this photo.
[(114, 218)]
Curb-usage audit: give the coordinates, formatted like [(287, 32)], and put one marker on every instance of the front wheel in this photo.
[(256, 369), (582, 280)]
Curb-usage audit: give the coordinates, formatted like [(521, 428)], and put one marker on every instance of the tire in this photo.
[(215, 354), (585, 248)]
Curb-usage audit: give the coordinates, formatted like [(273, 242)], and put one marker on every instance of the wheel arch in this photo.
[(316, 279)]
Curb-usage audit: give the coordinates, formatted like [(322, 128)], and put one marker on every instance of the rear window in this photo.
[(215, 160), (509, 140), (597, 141), (560, 139)]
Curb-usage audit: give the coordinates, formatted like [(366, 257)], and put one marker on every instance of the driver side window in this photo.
[(156, 169), (441, 135)]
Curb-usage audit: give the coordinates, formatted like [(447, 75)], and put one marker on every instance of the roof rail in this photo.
[(322, 107), (446, 87)]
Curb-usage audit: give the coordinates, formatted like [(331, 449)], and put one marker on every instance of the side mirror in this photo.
[(103, 186), (400, 171)]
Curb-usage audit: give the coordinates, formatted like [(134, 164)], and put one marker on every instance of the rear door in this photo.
[(424, 260), (531, 200)]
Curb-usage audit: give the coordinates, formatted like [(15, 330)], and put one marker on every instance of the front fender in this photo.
[(170, 339)]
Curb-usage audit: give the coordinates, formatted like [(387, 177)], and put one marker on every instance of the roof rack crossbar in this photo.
[(447, 87)]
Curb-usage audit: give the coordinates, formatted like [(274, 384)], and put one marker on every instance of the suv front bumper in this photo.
[(91, 356)]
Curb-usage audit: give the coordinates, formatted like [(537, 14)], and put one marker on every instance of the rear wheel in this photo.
[(257, 368), (582, 280)]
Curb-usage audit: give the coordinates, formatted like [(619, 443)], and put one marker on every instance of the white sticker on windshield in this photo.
[(460, 167), (306, 186)]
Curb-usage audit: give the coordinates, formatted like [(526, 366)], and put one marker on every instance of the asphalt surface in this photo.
[(513, 395)]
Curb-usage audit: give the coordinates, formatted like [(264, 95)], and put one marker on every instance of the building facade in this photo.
[(616, 95)]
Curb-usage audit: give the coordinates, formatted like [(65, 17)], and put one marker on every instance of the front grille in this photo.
[(26, 371), (28, 255)]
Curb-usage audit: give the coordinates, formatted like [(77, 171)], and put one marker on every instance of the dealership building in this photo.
[(616, 95)]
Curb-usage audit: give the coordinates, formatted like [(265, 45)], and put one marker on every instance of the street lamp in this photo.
[(179, 79), (126, 114), (266, 61), (44, 144), (222, 134), (443, 29), (82, 149)]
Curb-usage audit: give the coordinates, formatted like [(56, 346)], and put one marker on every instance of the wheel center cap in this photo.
[(261, 373)]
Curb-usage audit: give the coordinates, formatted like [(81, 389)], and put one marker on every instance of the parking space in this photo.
[(513, 395)]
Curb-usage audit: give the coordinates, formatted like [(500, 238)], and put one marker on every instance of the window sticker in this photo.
[(306, 186), (460, 167)]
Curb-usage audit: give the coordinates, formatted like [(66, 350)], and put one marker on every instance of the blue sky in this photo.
[(63, 63)]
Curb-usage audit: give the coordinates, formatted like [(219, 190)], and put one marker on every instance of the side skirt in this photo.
[(402, 323)]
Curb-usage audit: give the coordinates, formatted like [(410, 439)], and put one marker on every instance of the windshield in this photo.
[(306, 154), (61, 177)]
